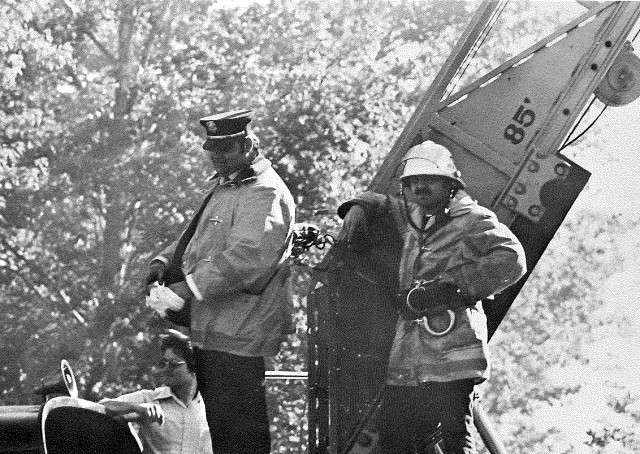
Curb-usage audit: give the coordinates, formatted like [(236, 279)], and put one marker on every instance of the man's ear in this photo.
[(454, 188), (404, 185), (248, 144), (249, 150)]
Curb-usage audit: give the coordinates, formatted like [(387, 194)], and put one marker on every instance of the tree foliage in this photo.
[(100, 165), (543, 353)]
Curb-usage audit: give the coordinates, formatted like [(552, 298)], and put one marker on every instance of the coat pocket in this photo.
[(237, 317)]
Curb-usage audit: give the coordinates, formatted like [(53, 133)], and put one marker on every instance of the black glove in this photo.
[(355, 231), (181, 317), (182, 290), (435, 297), (156, 272)]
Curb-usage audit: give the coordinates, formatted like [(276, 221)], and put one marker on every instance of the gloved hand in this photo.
[(156, 273), (161, 298), (355, 231), (434, 297), (183, 316), (182, 290)]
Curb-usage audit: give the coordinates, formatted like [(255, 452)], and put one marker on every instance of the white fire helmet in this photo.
[(430, 158)]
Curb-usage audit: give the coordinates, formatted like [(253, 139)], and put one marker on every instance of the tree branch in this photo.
[(156, 28), (99, 45), (41, 276), (74, 78)]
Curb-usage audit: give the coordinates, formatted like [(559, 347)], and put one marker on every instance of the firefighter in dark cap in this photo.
[(230, 268)]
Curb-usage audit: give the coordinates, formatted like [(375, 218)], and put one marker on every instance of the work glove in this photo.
[(433, 297), (162, 298), (172, 303), (355, 230), (182, 290), (156, 273), (181, 317)]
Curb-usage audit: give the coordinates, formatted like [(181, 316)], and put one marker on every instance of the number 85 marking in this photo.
[(525, 118)]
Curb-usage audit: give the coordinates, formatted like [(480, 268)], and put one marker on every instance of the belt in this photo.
[(408, 311)]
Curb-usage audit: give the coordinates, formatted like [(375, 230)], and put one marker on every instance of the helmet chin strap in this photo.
[(438, 209)]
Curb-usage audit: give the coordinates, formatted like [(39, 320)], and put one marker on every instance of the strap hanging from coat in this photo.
[(174, 270)]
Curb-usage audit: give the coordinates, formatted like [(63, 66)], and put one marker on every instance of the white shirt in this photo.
[(185, 429)]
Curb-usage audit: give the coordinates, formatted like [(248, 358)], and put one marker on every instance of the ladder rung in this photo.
[(285, 375)]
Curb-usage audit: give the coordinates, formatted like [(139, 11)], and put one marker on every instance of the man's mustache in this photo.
[(422, 191)]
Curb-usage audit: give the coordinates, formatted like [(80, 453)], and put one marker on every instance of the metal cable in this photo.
[(475, 48), (577, 124), (566, 144)]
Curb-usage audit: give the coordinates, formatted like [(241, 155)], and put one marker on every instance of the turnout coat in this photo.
[(235, 261), (467, 246)]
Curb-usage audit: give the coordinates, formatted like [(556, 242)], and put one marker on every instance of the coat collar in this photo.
[(461, 204), (243, 176)]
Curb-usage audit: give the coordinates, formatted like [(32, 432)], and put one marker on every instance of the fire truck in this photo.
[(507, 131)]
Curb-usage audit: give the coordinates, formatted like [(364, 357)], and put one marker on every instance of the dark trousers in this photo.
[(410, 414), (232, 388)]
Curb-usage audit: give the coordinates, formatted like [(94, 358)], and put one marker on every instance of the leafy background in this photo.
[(101, 165)]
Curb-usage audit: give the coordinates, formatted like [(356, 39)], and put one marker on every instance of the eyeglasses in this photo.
[(164, 363)]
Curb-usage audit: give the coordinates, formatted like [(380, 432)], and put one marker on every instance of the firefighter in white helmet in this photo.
[(455, 253), (430, 177)]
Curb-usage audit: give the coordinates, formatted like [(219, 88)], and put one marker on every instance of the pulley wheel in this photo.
[(621, 84)]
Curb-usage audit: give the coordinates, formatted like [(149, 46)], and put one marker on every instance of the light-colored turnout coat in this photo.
[(472, 249), (236, 264)]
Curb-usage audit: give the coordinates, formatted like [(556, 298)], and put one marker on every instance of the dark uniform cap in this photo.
[(227, 125)]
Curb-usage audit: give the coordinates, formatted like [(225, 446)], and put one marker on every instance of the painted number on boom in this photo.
[(524, 118)]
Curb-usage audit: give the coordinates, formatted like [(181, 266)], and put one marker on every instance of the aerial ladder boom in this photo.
[(506, 131)]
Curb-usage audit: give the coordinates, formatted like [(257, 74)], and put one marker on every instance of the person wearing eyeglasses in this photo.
[(171, 419), (230, 269)]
